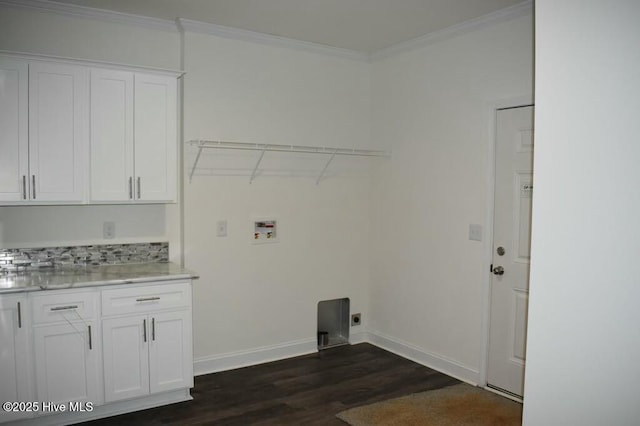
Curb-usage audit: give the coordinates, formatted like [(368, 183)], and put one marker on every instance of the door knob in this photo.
[(498, 270)]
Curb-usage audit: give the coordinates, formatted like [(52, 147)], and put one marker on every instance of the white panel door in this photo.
[(14, 373), (171, 351), (14, 125), (511, 243), (66, 362), (111, 135), (126, 357), (155, 122), (58, 97)]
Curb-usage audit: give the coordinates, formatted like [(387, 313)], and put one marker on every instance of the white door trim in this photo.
[(490, 110)]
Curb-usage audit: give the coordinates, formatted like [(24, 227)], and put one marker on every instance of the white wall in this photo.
[(254, 297), (40, 32), (431, 107), (584, 339)]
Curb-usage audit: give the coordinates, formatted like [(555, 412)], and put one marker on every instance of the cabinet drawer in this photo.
[(55, 307), (146, 299)]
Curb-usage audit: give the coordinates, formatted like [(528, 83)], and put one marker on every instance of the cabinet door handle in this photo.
[(64, 308), (33, 184), (19, 316), (90, 340), (147, 299), (144, 330), (24, 187), (130, 188), (139, 188), (153, 329)]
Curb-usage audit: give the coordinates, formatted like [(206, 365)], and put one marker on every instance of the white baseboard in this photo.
[(431, 360), (260, 355), (361, 336)]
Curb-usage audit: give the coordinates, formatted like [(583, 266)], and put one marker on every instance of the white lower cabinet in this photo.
[(66, 359), (66, 347), (147, 340), (14, 365), (116, 347), (126, 359), (146, 354), (170, 352)]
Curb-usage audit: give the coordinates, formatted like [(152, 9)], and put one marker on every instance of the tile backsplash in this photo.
[(29, 259)]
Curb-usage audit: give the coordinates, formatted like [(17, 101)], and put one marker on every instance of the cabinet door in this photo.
[(155, 119), (170, 351), (126, 357), (58, 134), (14, 374), (14, 161), (111, 135), (66, 360)]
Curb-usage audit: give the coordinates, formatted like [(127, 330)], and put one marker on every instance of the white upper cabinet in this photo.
[(111, 135), (43, 117), (14, 125), (57, 132), (133, 137), (72, 134), (155, 141)]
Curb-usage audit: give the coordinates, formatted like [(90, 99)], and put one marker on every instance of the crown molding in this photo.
[(89, 12), (188, 25), (30, 56), (515, 11)]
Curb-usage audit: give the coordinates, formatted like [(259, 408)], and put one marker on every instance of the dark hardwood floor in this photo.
[(307, 390)]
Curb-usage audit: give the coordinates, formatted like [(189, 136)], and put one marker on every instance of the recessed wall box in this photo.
[(333, 322), (265, 231)]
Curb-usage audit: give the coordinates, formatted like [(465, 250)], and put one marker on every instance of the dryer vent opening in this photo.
[(333, 323)]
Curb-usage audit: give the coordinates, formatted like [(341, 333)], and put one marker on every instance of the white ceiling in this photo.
[(361, 25)]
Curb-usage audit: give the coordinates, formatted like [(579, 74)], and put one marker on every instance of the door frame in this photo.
[(491, 110)]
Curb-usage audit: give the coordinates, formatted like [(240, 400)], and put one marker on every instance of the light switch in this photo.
[(475, 232), (221, 228)]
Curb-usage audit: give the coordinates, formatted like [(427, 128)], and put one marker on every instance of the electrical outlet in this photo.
[(356, 319), (109, 230), (221, 228)]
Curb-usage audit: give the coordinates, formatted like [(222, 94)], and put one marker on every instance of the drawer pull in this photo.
[(147, 299), (144, 330), (19, 316), (64, 308), (153, 329), (90, 340)]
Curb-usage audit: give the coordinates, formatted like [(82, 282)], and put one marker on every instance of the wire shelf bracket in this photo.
[(331, 151)]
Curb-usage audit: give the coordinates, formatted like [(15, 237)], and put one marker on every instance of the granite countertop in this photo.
[(72, 277)]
